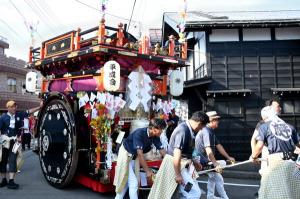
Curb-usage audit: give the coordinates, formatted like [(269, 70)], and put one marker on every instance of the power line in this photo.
[(44, 12), (36, 11), (87, 5), (41, 11), (16, 34), (101, 11), (11, 29), (49, 11), (18, 10), (24, 19), (25, 23), (131, 14), (250, 11)]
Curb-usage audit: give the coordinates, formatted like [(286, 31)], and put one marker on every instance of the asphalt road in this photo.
[(34, 186), (235, 188)]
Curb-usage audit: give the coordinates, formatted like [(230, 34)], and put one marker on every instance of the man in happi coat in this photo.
[(176, 168), (131, 156), (206, 145), (277, 180), (10, 127)]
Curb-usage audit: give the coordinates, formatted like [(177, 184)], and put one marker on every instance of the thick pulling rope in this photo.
[(231, 165)]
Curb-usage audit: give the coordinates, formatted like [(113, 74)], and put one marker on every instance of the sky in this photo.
[(55, 17)]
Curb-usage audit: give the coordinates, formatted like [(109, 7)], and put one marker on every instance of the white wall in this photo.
[(200, 49), (256, 34), (190, 70), (219, 35), (287, 33), (197, 50)]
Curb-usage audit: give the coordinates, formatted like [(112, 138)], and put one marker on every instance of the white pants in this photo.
[(132, 184), (195, 192), (215, 180)]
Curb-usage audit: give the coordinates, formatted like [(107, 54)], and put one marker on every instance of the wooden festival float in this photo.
[(96, 89)]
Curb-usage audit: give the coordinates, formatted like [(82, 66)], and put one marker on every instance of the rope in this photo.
[(231, 165), (131, 14)]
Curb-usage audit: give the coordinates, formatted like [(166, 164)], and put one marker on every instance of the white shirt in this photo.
[(12, 120), (26, 125)]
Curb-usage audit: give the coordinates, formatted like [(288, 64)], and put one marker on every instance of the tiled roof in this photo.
[(196, 18)]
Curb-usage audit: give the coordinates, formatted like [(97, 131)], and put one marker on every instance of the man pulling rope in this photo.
[(206, 144), (281, 139)]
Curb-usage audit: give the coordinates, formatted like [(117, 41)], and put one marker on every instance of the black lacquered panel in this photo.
[(59, 46)]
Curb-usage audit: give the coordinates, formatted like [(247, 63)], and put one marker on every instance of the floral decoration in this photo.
[(101, 127)]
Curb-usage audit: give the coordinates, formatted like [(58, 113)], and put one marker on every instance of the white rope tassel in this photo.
[(109, 154)]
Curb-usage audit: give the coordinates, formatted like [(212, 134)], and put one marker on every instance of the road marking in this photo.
[(233, 184)]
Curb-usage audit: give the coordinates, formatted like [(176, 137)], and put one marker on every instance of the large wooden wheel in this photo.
[(57, 142)]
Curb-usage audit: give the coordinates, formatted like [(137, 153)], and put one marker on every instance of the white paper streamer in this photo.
[(140, 88), (109, 102), (93, 97), (109, 154), (101, 98)]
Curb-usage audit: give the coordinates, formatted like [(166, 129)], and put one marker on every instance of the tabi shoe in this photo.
[(12, 185), (3, 183)]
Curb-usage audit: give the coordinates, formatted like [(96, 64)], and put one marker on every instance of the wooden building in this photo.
[(239, 61)]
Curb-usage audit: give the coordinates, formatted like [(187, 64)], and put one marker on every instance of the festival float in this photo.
[(96, 90)]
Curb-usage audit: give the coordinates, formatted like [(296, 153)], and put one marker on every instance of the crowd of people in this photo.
[(192, 148)]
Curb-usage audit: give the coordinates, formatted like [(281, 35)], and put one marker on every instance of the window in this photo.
[(255, 34), (221, 35), (12, 84), (23, 87), (287, 33), (297, 106), (291, 107), (201, 71), (200, 56), (221, 107), (232, 108)]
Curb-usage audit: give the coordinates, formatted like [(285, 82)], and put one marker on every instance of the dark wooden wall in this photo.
[(259, 66)]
